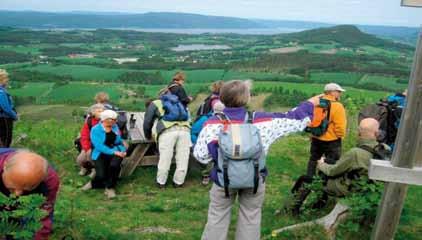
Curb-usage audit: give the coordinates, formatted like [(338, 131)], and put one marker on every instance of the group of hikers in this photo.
[(229, 141)]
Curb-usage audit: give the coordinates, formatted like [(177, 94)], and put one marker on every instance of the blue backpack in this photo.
[(241, 156), (173, 108)]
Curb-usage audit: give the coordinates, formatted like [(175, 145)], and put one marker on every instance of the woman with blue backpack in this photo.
[(237, 141), (170, 118)]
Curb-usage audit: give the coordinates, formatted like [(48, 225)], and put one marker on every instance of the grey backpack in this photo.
[(241, 156)]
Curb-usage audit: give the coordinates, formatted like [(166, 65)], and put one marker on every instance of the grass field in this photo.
[(387, 81), (85, 60), (32, 89), (21, 49), (337, 77), (141, 211), (80, 93), (316, 88), (80, 72), (83, 92)]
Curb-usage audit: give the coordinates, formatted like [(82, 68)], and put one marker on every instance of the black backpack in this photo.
[(205, 106), (388, 115), (380, 151)]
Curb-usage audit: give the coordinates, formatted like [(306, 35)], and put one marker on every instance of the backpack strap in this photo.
[(371, 150), (226, 176), (89, 122), (249, 120), (249, 117), (328, 111)]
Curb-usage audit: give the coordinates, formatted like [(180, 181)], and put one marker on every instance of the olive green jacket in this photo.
[(354, 162)]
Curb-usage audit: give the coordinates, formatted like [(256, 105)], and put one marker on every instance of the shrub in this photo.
[(20, 217)]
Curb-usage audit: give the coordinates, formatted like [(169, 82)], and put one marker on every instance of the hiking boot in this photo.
[(161, 186), (110, 193), (205, 180), (92, 174), (175, 185), (87, 186), (83, 171)]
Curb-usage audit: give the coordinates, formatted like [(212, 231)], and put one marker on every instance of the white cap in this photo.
[(333, 87), (108, 114)]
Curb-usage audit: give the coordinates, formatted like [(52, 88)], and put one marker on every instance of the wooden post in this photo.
[(406, 153)]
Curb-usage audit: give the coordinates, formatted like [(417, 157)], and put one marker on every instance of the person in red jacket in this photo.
[(84, 158), (24, 173)]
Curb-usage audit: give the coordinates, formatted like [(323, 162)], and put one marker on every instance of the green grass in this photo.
[(386, 81), (85, 60), (89, 215), (22, 49), (80, 92), (337, 77), (317, 48), (80, 72), (380, 51), (315, 88), (31, 89)]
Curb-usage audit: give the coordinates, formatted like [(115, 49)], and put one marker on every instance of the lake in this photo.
[(247, 31)]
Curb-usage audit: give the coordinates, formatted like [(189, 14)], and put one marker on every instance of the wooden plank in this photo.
[(411, 3), (408, 145), (385, 171), (131, 162), (135, 127), (149, 160)]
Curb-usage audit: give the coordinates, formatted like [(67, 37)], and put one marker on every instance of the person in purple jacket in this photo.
[(235, 95)]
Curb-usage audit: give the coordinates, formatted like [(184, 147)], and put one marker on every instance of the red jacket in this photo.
[(48, 188), (86, 132)]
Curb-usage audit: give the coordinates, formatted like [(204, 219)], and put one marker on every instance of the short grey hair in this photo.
[(95, 107), (236, 93)]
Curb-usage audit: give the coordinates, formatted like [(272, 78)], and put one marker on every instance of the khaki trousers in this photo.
[(174, 140), (249, 216)]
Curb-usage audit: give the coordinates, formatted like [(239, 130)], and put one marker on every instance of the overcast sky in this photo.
[(375, 12)]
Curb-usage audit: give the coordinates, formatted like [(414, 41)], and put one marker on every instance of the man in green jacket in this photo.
[(354, 163), (351, 167)]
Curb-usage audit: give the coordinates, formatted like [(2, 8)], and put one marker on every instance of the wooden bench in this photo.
[(142, 152)]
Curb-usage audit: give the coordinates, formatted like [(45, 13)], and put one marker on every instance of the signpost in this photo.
[(406, 164), (411, 3)]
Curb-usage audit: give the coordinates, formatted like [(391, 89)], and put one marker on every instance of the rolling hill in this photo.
[(169, 20)]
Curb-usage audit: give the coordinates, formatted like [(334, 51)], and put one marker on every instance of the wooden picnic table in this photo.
[(143, 151)]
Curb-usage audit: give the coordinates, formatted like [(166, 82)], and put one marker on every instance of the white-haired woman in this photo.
[(107, 154), (271, 126), (84, 158), (7, 111)]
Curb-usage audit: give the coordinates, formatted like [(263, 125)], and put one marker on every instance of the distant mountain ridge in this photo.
[(78, 19), (346, 35)]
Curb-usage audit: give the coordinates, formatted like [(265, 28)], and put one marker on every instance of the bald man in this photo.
[(23, 173), (349, 168)]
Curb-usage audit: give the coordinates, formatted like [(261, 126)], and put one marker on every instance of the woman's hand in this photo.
[(120, 154)]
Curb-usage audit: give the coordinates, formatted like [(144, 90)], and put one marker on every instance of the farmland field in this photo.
[(35, 89), (79, 93), (81, 72), (383, 80), (338, 77)]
